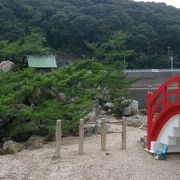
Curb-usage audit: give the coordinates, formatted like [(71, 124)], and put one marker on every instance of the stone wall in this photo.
[(155, 79)]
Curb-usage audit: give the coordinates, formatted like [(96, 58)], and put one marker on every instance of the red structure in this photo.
[(162, 105)]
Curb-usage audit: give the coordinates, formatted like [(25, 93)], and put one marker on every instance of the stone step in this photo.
[(171, 140), (176, 132), (168, 140)]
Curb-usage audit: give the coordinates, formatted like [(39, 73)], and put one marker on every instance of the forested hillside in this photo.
[(68, 25)]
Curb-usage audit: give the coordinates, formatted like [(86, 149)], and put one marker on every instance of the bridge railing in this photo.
[(161, 99)]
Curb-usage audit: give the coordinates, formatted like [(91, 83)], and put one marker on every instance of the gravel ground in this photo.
[(132, 163)]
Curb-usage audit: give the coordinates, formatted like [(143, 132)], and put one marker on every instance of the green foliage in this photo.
[(68, 25), (16, 50), (29, 99), (113, 49), (34, 44)]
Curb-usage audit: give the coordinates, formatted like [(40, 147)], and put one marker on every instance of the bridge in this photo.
[(163, 116)]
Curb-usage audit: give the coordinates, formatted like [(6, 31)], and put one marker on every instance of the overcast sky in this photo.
[(175, 3)]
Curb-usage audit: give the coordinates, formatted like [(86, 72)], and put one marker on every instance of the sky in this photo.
[(175, 3)]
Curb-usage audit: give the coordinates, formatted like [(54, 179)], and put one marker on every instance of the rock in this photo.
[(101, 101), (50, 137), (89, 129), (6, 66), (74, 99), (34, 142), (102, 112), (99, 120), (137, 121), (103, 98), (61, 97), (109, 111), (109, 105), (98, 125), (96, 106), (143, 111), (94, 128), (97, 129), (11, 147), (131, 109), (20, 106), (90, 116)]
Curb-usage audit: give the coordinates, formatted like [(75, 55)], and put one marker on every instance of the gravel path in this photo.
[(132, 163)]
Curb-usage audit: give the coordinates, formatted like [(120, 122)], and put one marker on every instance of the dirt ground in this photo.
[(132, 163)]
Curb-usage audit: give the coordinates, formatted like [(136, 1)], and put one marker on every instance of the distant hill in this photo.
[(69, 24)]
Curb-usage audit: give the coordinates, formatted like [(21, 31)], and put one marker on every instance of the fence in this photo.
[(152, 70), (81, 135)]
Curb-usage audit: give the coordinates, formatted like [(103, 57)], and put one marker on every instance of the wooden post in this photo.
[(149, 118), (103, 135), (58, 138), (124, 124), (81, 136)]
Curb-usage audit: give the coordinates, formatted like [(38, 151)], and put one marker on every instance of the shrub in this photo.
[(29, 100)]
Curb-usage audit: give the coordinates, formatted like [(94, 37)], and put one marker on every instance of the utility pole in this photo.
[(124, 62), (124, 57), (172, 63), (168, 51)]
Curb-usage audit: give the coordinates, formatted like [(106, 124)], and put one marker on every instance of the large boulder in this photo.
[(61, 97), (20, 106), (11, 147), (131, 109), (96, 107), (89, 129), (94, 128), (34, 142), (137, 121), (143, 111), (103, 98), (109, 105), (91, 116), (6, 66)]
